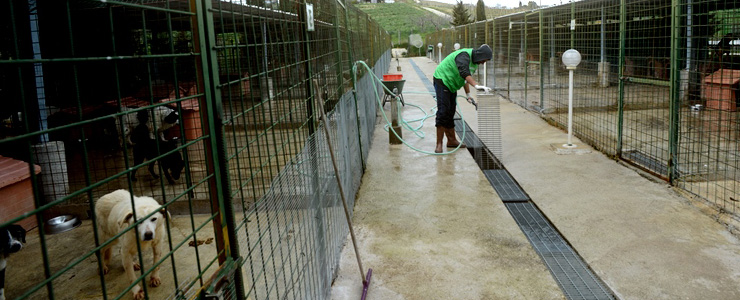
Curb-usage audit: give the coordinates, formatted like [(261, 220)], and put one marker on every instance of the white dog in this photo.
[(114, 214), (164, 118)]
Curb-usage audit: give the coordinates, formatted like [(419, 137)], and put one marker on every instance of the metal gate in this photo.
[(646, 86)]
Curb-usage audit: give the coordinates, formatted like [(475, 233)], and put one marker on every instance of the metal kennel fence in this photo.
[(86, 84), (657, 86)]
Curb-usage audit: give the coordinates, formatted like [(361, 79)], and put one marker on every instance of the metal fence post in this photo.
[(467, 36), (573, 27), (495, 48), (622, 51), (338, 55), (675, 85), (551, 59), (370, 38), (525, 28), (316, 203), (215, 125), (215, 150), (542, 59), (354, 86), (485, 32), (508, 62)]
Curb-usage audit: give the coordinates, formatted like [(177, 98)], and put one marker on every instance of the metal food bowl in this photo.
[(61, 224)]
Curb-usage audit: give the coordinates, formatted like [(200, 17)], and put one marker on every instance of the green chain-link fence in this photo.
[(224, 97), (657, 86)]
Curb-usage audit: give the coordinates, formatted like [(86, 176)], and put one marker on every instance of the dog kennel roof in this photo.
[(13, 170)]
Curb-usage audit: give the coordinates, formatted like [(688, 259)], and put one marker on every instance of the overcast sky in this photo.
[(507, 3)]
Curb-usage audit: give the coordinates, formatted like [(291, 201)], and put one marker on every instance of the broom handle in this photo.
[(339, 182)]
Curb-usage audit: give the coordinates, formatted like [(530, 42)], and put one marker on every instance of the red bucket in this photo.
[(392, 77)]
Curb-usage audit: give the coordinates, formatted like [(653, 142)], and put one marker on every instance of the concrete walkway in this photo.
[(432, 227)]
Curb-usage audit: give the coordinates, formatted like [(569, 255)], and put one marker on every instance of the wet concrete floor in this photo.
[(432, 227)]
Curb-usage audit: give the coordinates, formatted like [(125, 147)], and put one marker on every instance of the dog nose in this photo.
[(15, 248), (148, 236)]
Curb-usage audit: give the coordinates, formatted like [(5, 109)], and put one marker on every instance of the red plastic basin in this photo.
[(392, 77)]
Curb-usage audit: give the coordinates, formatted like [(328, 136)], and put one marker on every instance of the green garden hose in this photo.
[(417, 131)]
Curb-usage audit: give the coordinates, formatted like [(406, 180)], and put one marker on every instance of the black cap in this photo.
[(484, 52)]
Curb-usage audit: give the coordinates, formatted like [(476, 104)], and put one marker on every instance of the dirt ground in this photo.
[(26, 268)]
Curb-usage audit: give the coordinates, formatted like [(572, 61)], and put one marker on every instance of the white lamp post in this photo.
[(439, 45), (571, 59)]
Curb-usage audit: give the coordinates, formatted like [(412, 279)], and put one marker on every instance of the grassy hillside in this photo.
[(409, 17), (443, 7)]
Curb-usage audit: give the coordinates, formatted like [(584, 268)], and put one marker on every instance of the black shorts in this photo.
[(446, 104)]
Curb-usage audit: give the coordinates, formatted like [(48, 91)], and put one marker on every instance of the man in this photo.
[(453, 73)]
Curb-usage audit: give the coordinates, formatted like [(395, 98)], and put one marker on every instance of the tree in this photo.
[(480, 11), (460, 15), (424, 22)]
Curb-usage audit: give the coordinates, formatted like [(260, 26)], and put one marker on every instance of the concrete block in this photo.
[(564, 149), (604, 74)]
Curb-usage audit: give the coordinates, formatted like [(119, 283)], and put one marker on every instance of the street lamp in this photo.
[(571, 59), (439, 45)]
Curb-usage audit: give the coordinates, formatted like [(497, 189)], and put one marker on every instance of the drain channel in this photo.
[(571, 273), (569, 270), (646, 161), (575, 278), (420, 73), (506, 188)]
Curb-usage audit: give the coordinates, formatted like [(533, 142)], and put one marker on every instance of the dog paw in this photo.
[(138, 293), (155, 281), (137, 266), (105, 270)]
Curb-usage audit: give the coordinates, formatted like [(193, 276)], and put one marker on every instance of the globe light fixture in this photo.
[(457, 46), (571, 59), (439, 45)]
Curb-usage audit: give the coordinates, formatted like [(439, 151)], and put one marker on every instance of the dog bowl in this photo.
[(61, 224)]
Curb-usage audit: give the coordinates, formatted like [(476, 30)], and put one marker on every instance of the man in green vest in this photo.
[(453, 73)]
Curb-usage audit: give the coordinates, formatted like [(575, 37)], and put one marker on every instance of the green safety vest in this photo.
[(448, 73)]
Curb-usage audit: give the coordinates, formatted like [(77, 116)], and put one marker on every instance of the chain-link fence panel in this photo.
[(646, 89), (206, 112), (706, 62), (106, 101)]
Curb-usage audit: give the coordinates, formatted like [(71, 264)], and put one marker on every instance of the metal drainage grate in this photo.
[(423, 77), (506, 188), (471, 139), (567, 268), (646, 161), (484, 158), (572, 275)]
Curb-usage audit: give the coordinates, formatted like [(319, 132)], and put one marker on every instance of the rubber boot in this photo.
[(440, 136), (451, 139)]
